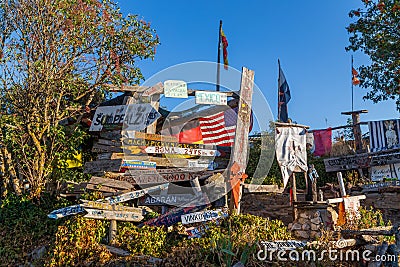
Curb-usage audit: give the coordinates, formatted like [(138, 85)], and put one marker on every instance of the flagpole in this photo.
[(352, 85), (219, 56), (279, 82)]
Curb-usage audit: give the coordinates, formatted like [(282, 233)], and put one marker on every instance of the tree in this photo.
[(376, 32), (56, 55)]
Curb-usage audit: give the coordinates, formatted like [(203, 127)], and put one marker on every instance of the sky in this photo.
[(309, 38)]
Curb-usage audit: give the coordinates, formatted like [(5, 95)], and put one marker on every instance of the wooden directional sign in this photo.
[(181, 151), (113, 215), (170, 199), (135, 194), (200, 164), (139, 116), (100, 181), (161, 177), (210, 97), (160, 143), (156, 89), (202, 216), (137, 164), (377, 186), (112, 165), (107, 206), (150, 136), (108, 115), (175, 88), (71, 210)]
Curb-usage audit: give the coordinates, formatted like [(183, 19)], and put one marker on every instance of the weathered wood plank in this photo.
[(166, 162), (110, 183), (135, 194), (112, 165), (162, 143), (107, 206), (113, 215), (106, 148), (202, 216), (378, 186), (347, 163), (254, 188), (138, 164), (160, 177), (181, 151), (70, 210), (117, 251), (104, 189), (169, 199)]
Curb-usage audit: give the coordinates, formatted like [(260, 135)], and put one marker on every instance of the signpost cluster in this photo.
[(136, 165)]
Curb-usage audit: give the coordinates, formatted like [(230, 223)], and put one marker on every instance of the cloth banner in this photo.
[(290, 147), (322, 141), (384, 134)]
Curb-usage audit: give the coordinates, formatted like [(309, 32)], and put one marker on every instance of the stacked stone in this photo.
[(308, 225)]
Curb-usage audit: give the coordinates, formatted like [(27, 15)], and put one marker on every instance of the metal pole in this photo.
[(219, 56)]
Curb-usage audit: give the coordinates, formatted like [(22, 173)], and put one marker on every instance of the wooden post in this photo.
[(341, 184), (308, 187), (294, 190), (240, 147), (196, 186), (355, 116), (112, 233)]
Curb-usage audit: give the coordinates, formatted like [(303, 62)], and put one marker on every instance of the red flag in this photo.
[(355, 80), (225, 50)]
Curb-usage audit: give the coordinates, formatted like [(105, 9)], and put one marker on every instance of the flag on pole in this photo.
[(283, 96), (224, 49), (355, 80)]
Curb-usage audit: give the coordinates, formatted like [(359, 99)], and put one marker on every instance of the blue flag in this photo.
[(284, 96)]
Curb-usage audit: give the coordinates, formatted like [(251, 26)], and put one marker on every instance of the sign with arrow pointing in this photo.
[(139, 116)]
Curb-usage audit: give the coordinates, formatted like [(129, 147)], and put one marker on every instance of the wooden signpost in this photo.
[(71, 210), (175, 89), (161, 177), (181, 151), (211, 98), (135, 194), (113, 215), (202, 216), (240, 148), (169, 199)]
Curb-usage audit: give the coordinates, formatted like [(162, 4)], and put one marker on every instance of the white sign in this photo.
[(203, 216), (181, 151), (378, 173), (113, 215), (175, 88), (108, 115), (212, 98)]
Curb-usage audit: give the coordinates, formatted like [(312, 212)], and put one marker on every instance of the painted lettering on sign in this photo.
[(137, 164), (71, 210), (212, 98), (135, 194), (175, 88), (108, 115), (203, 216), (181, 151), (175, 199), (113, 215), (139, 116)]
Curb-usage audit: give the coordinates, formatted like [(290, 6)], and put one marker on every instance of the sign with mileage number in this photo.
[(181, 151)]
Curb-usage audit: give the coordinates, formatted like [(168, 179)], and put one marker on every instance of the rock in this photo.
[(296, 226), (303, 220), (314, 227), (38, 253), (304, 215), (305, 227), (302, 234), (316, 220)]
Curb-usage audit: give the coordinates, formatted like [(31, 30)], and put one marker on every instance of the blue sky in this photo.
[(309, 38)]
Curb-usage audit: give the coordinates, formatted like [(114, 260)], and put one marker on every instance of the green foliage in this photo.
[(78, 243), (146, 240), (232, 241), (24, 226), (375, 32)]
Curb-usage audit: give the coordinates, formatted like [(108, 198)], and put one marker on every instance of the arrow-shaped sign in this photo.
[(181, 151), (113, 215), (70, 210), (139, 116), (135, 194)]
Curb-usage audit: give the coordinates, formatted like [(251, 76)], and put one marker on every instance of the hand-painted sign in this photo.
[(174, 215), (377, 186), (137, 164), (391, 171), (108, 115), (181, 151), (170, 199), (149, 136), (107, 206), (175, 88), (212, 98), (207, 215), (156, 89), (139, 116), (199, 231), (71, 210), (161, 177), (135, 194), (113, 215), (202, 164), (159, 143)]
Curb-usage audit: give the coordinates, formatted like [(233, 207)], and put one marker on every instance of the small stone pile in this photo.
[(310, 222)]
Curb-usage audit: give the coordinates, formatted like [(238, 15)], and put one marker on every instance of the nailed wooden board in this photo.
[(138, 164), (106, 148), (154, 90), (181, 151), (117, 251), (110, 183), (113, 215), (160, 143), (169, 199), (107, 206), (164, 162), (347, 163), (104, 189), (253, 188), (202, 216), (112, 165), (377, 186), (70, 210), (211, 98), (154, 137), (135, 194)]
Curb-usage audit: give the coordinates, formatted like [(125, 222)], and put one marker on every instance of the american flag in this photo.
[(219, 129)]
